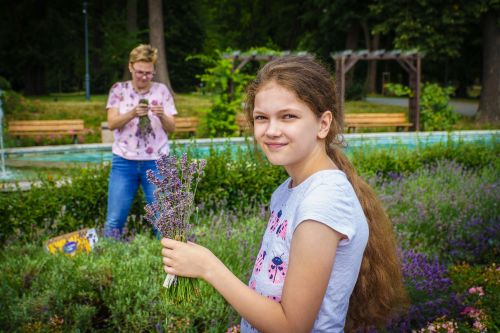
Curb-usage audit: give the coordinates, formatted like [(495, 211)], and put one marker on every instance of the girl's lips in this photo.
[(275, 145)]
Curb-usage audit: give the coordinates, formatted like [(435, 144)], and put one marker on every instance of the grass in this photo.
[(366, 107)]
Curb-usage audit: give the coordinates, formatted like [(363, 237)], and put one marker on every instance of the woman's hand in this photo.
[(158, 111), (187, 259), (140, 110)]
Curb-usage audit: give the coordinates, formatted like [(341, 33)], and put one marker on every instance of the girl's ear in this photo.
[(325, 121)]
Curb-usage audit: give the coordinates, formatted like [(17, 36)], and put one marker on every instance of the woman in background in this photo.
[(140, 112)]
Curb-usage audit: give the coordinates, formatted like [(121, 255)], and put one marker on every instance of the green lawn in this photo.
[(366, 107)]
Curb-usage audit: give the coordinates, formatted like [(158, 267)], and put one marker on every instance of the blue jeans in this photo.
[(124, 180)]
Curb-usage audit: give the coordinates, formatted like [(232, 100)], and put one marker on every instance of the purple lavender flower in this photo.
[(429, 290), (174, 195), (172, 208)]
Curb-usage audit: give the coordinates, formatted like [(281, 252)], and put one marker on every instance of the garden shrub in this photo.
[(400, 159), (221, 118), (4, 84), (238, 178), (435, 112), (16, 104), (446, 210), (118, 287), (356, 91), (480, 290), (445, 213), (234, 178), (429, 290), (59, 205)]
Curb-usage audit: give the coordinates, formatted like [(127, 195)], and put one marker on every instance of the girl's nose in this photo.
[(273, 128)]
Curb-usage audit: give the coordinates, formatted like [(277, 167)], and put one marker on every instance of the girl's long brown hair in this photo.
[(379, 293)]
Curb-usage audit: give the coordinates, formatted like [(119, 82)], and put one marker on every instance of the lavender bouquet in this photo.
[(171, 211), (144, 122)]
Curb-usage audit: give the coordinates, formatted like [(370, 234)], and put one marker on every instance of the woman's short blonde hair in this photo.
[(143, 52)]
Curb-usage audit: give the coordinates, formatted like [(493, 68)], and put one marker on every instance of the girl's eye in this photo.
[(289, 116), (259, 118)]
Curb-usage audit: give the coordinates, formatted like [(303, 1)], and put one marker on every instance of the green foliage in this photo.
[(356, 91), (4, 84), (109, 288), (237, 177), (435, 112), (398, 89), (465, 277), (16, 105), (226, 88), (118, 287), (401, 160), (426, 25), (58, 205), (234, 178), (435, 212), (54, 205)]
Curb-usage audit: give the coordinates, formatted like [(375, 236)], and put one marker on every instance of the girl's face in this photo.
[(142, 73), (286, 129)]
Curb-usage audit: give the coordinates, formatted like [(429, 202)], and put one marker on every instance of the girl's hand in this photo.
[(158, 111), (187, 259)]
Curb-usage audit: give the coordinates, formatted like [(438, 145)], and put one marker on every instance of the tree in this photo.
[(489, 105), (132, 29), (157, 39), (350, 21), (440, 30)]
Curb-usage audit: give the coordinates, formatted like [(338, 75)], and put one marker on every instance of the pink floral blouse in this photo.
[(145, 139)]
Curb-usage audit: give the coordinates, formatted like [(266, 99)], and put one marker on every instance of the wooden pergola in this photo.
[(409, 60), (241, 59)]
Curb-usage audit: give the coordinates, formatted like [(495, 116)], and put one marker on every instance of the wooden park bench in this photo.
[(352, 121), (186, 125), (182, 125), (242, 122), (48, 128)]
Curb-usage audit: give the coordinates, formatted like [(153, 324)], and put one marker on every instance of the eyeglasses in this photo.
[(148, 75)]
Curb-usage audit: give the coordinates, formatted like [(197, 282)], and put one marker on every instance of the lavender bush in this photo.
[(144, 127), (429, 289), (171, 211), (445, 210)]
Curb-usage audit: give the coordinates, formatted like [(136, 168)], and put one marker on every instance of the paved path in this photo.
[(464, 108)]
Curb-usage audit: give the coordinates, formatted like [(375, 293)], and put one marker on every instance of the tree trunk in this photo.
[(489, 104), (131, 30), (34, 80), (372, 44), (157, 39)]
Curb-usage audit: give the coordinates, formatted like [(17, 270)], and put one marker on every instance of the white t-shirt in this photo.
[(326, 197)]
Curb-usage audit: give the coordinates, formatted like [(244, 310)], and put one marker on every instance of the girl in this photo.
[(328, 259)]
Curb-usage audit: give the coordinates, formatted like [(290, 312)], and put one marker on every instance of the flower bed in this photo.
[(446, 215)]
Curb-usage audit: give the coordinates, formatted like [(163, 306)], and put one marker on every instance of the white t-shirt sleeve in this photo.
[(168, 101), (115, 96), (330, 204)]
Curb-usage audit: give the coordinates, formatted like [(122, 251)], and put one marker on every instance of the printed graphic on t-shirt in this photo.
[(277, 270), (277, 225), (259, 261)]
